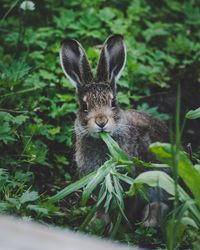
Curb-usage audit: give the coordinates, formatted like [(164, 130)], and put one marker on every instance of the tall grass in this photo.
[(107, 183)]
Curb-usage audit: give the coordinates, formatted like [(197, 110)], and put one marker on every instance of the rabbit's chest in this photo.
[(91, 153), (129, 142)]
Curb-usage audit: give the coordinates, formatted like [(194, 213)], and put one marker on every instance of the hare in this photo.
[(99, 110)]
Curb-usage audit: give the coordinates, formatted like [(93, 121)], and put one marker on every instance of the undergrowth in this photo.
[(38, 106)]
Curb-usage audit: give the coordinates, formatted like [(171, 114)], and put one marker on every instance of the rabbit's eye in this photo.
[(84, 107)]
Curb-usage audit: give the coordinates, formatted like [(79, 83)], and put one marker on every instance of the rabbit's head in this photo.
[(98, 110)]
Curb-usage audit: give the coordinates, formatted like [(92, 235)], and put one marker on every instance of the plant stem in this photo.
[(21, 92), (116, 226), (88, 217), (175, 159), (9, 10)]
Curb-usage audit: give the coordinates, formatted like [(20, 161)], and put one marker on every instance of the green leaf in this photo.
[(54, 131), (123, 98), (20, 119), (5, 116), (96, 179), (153, 111), (101, 197), (124, 178), (106, 14), (193, 114), (158, 178), (47, 75), (190, 175), (28, 196), (45, 209), (189, 222), (113, 147), (179, 220), (38, 209), (72, 188), (5, 133), (118, 195)]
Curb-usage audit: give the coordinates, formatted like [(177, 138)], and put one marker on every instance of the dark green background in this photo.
[(38, 104)]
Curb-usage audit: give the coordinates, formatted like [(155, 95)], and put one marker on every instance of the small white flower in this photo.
[(27, 5)]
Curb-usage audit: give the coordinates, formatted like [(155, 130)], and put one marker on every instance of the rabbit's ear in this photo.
[(75, 63), (112, 59)]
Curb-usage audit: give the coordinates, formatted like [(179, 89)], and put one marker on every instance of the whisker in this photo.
[(81, 131)]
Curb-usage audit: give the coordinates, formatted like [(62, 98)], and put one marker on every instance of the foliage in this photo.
[(153, 111), (38, 104), (188, 212), (109, 177), (114, 171), (193, 114)]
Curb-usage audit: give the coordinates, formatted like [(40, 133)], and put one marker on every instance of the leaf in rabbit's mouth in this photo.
[(103, 131), (98, 133)]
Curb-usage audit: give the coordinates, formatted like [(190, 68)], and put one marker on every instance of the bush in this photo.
[(38, 104)]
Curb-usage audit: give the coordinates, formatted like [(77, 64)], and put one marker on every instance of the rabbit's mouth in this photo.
[(96, 132), (103, 130)]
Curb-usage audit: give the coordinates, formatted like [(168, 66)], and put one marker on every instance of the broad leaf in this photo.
[(186, 170), (28, 196), (161, 179), (193, 114)]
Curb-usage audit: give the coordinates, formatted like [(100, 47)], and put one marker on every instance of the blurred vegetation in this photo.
[(38, 104)]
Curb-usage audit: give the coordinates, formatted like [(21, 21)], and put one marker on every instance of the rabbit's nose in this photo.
[(101, 121)]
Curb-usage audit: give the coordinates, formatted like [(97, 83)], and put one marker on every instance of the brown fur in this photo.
[(133, 130), (99, 111)]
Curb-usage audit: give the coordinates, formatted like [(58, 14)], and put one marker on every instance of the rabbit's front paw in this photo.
[(154, 213)]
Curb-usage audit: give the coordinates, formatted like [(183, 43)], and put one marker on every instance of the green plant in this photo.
[(153, 111), (16, 196), (109, 177), (193, 114), (186, 211), (37, 103)]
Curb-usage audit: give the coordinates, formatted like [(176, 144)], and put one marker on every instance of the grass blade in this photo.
[(101, 197), (113, 147), (96, 179), (72, 188)]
